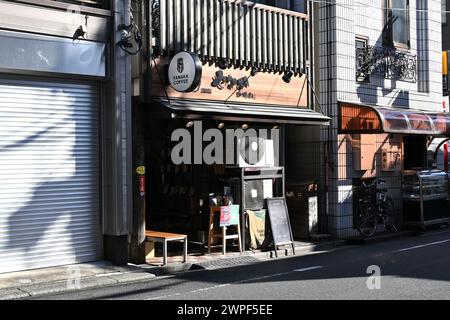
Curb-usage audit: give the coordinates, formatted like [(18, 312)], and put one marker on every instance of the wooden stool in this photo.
[(213, 232)]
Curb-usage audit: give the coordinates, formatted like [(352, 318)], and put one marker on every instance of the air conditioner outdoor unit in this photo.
[(255, 152)]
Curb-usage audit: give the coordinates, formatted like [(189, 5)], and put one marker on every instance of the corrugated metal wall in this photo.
[(49, 174)]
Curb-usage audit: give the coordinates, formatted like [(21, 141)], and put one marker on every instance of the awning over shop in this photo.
[(354, 118), (217, 110)]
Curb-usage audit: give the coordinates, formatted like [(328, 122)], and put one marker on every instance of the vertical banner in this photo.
[(141, 176)]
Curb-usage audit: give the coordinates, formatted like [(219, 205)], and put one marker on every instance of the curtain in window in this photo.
[(400, 21)]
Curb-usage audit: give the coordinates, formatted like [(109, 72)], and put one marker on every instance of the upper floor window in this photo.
[(397, 23), (294, 5), (444, 6)]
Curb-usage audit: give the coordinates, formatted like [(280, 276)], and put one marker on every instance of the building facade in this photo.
[(65, 146), (252, 72), (360, 45)]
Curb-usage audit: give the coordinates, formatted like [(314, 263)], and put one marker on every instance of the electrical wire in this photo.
[(134, 32)]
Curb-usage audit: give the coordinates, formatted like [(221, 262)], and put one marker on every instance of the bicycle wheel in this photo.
[(388, 214), (367, 225)]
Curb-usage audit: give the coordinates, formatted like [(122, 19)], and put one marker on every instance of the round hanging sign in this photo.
[(185, 71)]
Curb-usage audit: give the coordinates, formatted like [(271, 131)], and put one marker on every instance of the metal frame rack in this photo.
[(252, 173)]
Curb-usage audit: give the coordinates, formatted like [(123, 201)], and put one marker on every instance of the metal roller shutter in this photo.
[(49, 174)]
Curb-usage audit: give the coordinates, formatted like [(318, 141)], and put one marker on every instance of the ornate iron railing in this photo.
[(389, 63)]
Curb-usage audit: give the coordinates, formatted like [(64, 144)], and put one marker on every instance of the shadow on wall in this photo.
[(367, 91), (49, 186)]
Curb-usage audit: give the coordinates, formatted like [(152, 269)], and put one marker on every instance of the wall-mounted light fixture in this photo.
[(244, 126), (190, 124), (224, 64), (287, 77)]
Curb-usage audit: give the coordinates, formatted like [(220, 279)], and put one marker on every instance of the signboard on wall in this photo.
[(235, 85), (185, 72)]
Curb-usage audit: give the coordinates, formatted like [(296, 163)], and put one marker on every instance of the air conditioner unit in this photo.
[(255, 152)]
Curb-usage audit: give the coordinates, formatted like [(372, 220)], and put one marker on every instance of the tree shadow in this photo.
[(49, 202)]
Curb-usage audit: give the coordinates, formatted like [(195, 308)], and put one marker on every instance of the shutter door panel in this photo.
[(49, 174)]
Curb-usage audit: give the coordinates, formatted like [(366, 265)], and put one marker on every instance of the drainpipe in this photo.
[(446, 157)]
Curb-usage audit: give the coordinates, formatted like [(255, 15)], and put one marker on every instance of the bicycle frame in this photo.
[(378, 210)]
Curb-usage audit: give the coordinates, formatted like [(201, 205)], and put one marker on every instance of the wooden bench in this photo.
[(164, 238)]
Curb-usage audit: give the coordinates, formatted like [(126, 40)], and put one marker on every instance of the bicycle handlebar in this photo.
[(374, 183)]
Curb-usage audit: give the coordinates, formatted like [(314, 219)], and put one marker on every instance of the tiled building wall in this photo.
[(341, 21)]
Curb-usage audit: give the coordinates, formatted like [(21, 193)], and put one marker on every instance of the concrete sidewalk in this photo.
[(65, 279), (40, 282)]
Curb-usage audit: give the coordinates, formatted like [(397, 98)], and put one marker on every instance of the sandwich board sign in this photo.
[(279, 223)]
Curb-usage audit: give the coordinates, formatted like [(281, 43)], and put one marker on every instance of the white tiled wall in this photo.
[(340, 22)]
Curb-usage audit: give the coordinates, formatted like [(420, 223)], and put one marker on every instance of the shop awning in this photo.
[(217, 110), (354, 118)]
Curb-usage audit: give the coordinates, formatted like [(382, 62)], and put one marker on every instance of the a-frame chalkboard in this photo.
[(280, 224)]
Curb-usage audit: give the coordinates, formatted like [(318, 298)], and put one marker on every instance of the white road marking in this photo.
[(228, 284), (308, 269), (164, 297), (423, 245)]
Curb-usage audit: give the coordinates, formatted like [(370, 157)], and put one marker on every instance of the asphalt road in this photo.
[(411, 268)]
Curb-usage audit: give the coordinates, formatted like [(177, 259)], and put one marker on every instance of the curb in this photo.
[(303, 250), (58, 287), (380, 238), (171, 269), (300, 250)]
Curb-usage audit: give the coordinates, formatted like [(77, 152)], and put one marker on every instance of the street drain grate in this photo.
[(225, 263)]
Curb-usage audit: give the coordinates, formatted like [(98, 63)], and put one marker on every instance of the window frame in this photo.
[(389, 38), (365, 41), (289, 4), (444, 6)]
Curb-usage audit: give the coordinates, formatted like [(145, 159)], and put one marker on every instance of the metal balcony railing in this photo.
[(389, 63), (242, 33)]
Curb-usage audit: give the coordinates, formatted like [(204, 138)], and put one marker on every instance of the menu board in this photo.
[(279, 221)]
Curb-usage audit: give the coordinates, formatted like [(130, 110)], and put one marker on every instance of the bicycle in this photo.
[(372, 212)]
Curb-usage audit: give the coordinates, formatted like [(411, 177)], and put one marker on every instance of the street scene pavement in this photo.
[(413, 267)]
